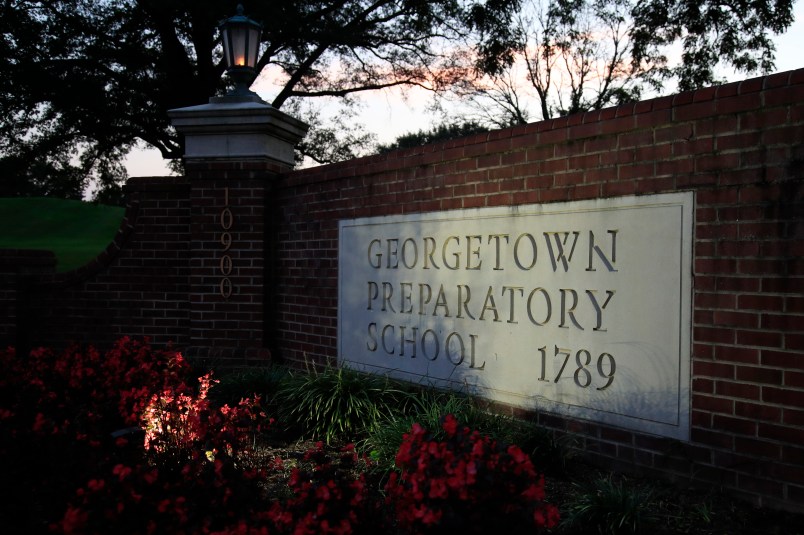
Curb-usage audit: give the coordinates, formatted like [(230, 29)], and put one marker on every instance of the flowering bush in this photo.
[(177, 421), (125, 443), (192, 481), (57, 415), (468, 482), (324, 501)]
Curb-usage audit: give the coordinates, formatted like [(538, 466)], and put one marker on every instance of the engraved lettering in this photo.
[(568, 311), (473, 253), (533, 252), (496, 238), (435, 344), (449, 346), (415, 248), (406, 294), (373, 293), (599, 308), (558, 255), (441, 301), (375, 258), (489, 304), (429, 251), (393, 250), (607, 261), (456, 255), (463, 301), (384, 339), (387, 294), (371, 344), (403, 341), (548, 306), (422, 299), (512, 289)]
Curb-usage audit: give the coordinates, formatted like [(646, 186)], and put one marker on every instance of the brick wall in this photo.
[(229, 255), (18, 269), (138, 286), (740, 147)]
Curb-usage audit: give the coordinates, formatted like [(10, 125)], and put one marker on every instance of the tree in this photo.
[(580, 55), (83, 81), (438, 132)]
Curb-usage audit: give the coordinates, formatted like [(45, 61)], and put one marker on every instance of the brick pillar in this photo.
[(17, 268), (233, 151)]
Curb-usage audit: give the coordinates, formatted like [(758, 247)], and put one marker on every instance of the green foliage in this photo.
[(262, 382), (610, 507), (428, 409), (712, 33), (573, 56), (440, 132), (75, 231), (85, 81), (336, 402), (431, 406)]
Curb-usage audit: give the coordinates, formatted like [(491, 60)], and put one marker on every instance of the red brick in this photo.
[(780, 322), (783, 285), (736, 319), (734, 425), (759, 338), (717, 231), (783, 396), (794, 379), (713, 369), (703, 351), (715, 300), (693, 112), (717, 162), (791, 417), (737, 390), (703, 386), (794, 341), (757, 411), (759, 302), (759, 375), (714, 335), (790, 435), (712, 403), (712, 438), (738, 284), (794, 305), (761, 448)]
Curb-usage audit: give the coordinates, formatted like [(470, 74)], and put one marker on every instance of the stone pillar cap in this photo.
[(238, 130)]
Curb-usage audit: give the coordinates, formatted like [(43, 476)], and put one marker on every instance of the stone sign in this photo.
[(580, 309)]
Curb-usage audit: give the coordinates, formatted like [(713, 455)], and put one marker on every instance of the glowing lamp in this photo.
[(241, 47)]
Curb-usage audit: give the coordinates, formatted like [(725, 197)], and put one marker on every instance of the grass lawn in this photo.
[(75, 231)]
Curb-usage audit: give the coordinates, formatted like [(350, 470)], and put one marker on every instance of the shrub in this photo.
[(429, 409), (608, 508), (192, 479), (467, 482), (336, 402), (58, 412), (120, 442), (262, 382), (326, 497)]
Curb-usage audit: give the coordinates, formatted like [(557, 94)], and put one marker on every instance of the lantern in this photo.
[(241, 47)]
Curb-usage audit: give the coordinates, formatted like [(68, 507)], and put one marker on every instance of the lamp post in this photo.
[(235, 146), (241, 47)]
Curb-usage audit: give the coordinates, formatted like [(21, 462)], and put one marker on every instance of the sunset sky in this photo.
[(388, 116)]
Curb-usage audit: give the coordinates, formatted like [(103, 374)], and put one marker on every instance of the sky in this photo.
[(388, 115)]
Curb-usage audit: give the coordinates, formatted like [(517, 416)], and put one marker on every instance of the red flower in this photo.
[(450, 425)]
